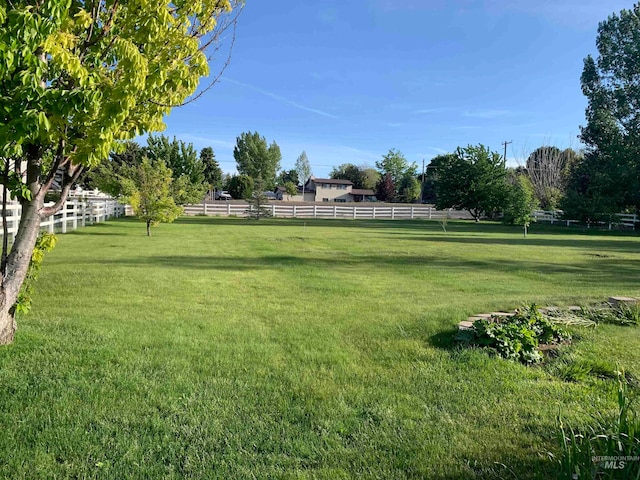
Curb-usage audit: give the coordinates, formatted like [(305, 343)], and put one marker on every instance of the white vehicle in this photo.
[(222, 195)]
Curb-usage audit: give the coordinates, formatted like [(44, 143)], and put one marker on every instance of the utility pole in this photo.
[(505, 143), (422, 186)]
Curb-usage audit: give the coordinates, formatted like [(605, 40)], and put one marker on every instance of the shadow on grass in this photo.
[(444, 340), (587, 243), (622, 272), (454, 225)]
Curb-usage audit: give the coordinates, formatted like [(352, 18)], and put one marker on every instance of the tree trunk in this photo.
[(148, 228), (17, 267)]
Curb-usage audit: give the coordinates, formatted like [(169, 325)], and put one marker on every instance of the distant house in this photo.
[(329, 190)]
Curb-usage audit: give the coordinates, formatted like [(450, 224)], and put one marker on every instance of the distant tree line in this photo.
[(589, 185)]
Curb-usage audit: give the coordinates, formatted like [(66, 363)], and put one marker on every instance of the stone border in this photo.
[(468, 323)]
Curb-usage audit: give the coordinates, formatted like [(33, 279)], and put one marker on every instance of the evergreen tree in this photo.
[(258, 202), (211, 168)]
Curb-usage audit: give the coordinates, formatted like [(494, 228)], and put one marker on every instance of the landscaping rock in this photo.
[(615, 301)]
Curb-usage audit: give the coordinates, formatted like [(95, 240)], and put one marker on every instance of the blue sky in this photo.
[(347, 81)]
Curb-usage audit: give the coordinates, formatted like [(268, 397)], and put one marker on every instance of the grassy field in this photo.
[(222, 348)]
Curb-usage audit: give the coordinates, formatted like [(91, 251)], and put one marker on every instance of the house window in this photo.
[(342, 187), (325, 199), (326, 185), (340, 200)]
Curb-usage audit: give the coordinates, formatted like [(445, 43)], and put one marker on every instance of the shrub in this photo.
[(518, 337)]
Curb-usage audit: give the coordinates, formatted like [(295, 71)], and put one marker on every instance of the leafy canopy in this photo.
[(521, 203), (80, 76), (395, 164), (472, 179), (257, 159), (362, 176), (149, 193), (189, 185), (608, 180)]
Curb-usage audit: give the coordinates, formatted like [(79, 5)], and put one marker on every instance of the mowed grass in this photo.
[(225, 348)]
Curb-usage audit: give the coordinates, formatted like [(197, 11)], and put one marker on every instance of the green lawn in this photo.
[(225, 348)]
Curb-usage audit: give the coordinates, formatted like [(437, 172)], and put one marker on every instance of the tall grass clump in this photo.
[(609, 449)]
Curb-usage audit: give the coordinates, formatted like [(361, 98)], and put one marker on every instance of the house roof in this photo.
[(360, 191), (334, 181)]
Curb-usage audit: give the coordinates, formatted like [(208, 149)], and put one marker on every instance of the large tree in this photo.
[(189, 184), (395, 165), (430, 177), (109, 174), (472, 179), (255, 158), (210, 168), (77, 78), (348, 171), (288, 176), (608, 180), (362, 176), (386, 189), (409, 190), (548, 168)]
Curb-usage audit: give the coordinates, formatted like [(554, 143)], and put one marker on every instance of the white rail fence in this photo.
[(386, 212), (555, 216), (74, 214)]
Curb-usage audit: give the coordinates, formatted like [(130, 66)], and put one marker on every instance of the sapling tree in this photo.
[(79, 77), (258, 201), (150, 194), (521, 203), (303, 169)]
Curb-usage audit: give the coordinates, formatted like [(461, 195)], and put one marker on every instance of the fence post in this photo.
[(430, 212), (393, 212), (355, 212), (412, 213), (374, 213), (228, 209), (74, 204), (204, 207), (64, 218), (295, 211), (335, 211), (273, 210), (315, 211)]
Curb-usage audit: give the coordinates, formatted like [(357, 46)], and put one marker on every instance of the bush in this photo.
[(516, 338)]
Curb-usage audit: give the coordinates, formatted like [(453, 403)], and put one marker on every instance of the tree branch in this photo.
[(71, 176)]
